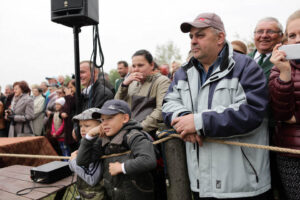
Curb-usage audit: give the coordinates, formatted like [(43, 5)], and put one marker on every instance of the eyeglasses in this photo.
[(268, 32)]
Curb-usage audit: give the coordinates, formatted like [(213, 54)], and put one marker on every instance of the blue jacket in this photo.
[(231, 104)]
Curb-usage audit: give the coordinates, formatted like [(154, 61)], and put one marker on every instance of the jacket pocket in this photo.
[(250, 165), (228, 92), (184, 91)]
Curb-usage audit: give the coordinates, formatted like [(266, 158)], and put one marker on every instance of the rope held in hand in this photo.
[(171, 136)]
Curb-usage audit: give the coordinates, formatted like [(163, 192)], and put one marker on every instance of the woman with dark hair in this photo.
[(21, 112), (285, 101), (68, 111), (144, 90)]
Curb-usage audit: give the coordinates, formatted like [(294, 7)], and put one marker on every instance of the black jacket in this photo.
[(96, 97)]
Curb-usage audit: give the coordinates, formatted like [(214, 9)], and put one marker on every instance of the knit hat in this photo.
[(61, 101)]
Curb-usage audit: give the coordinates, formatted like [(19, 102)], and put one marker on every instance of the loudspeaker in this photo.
[(75, 12)]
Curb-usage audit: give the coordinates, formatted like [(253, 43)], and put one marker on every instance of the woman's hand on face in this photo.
[(135, 76), (279, 60)]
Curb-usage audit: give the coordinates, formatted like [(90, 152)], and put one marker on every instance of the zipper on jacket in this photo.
[(257, 180), (195, 145), (198, 184)]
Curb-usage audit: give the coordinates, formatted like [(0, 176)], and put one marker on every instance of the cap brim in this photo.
[(186, 26), (109, 112), (77, 118), (96, 115)]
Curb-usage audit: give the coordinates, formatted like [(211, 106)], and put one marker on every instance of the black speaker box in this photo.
[(75, 12), (50, 172)]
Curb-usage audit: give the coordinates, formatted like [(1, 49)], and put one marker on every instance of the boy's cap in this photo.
[(92, 113), (204, 20), (114, 106)]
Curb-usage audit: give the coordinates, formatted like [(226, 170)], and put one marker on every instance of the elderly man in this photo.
[(220, 94), (268, 33), (61, 80), (94, 93)]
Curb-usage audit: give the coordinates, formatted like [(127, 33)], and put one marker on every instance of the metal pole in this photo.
[(76, 31)]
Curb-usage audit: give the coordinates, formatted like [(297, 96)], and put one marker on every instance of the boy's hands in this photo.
[(94, 131), (101, 131), (74, 155), (115, 168)]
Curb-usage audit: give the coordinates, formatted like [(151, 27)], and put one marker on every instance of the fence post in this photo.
[(179, 184)]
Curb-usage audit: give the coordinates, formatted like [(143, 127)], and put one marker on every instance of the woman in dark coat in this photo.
[(285, 101), (68, 112), (21, 112)]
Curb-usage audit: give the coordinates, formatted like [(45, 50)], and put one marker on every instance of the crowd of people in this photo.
[(220, 92)]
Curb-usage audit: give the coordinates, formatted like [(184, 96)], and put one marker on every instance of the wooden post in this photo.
[(179, 184)]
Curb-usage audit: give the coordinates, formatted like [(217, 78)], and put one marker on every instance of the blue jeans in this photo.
[(64, 149)]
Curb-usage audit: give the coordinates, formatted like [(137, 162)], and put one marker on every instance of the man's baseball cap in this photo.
[(91, 113), (204, 20), (114, 106)]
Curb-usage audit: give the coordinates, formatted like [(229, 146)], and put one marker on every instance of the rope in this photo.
[(257, 146), (33, 156), (171, 136)]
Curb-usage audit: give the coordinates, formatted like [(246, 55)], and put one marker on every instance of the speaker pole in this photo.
[(76, 31)]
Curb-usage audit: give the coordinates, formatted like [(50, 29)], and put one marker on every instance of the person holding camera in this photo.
[(21, 112), (284, 89)]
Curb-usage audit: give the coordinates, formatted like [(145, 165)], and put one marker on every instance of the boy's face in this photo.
[(112, 124), (87, 125), (58, 107)]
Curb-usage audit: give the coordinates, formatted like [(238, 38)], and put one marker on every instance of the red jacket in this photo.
[(285, 103)]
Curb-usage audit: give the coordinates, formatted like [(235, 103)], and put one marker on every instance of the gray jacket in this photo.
[(231, 104), (23, 116), (38, 121)]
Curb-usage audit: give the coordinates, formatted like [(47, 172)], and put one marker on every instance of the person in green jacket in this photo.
[(123, 71), (268, 33)]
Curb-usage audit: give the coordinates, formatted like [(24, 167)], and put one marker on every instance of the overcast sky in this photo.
[(32, 47)]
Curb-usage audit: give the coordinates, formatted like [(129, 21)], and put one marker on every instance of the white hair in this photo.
[(271, 19)]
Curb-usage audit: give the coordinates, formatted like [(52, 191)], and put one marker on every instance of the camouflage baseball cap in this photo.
[(91, 113)]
